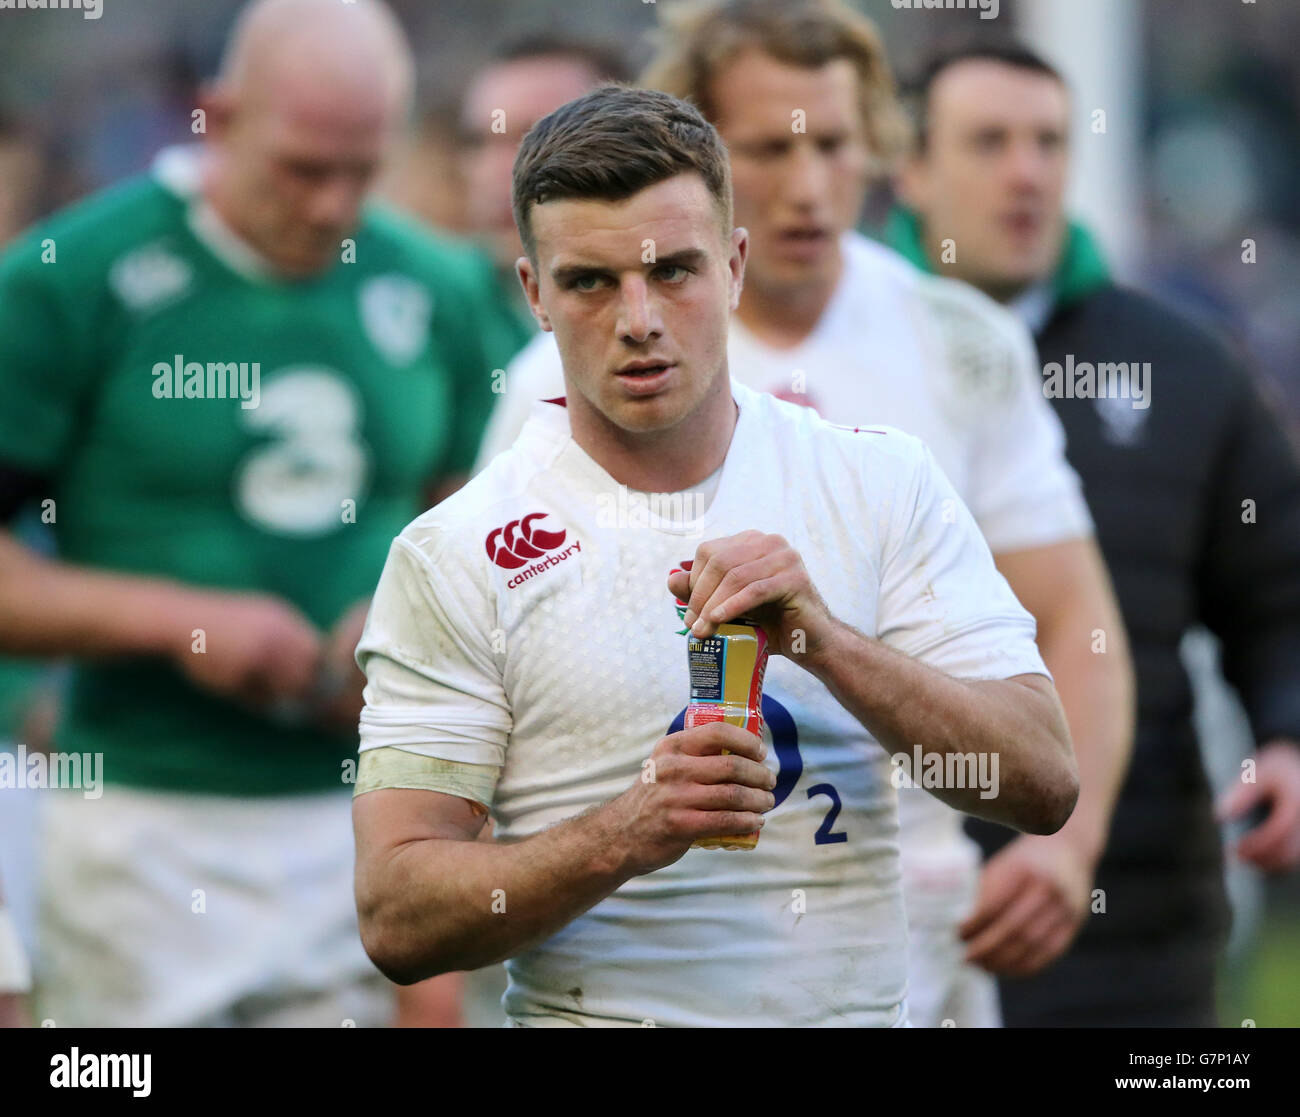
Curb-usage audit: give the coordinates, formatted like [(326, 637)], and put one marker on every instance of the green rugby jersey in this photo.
[(19, 680), (511, 325), (371, 380)]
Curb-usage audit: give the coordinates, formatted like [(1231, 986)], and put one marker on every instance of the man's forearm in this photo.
[(442, 904), (52, 608), (903, 703)]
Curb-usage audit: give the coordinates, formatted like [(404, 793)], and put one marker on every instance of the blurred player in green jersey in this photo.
[(20, 680), (235, 381)]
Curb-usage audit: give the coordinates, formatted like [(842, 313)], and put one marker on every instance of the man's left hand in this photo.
[(1032, 900)]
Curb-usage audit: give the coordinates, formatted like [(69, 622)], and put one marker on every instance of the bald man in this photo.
[(228, 384)]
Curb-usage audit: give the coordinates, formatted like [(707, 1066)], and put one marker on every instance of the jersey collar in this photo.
[(178, 169), (548, 439)]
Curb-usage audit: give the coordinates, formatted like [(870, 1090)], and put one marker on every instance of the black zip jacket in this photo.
[(1196, 499)]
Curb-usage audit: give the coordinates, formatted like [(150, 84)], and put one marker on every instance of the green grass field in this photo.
[(1266, 988)]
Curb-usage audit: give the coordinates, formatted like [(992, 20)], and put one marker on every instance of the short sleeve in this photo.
[(433, 686), (535, 374), (43, 372), (1023, 492), (941, 598)]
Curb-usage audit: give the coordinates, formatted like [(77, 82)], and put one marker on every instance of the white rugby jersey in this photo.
[(526, 622), (939, 360)]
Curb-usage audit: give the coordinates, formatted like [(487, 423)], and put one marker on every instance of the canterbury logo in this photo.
[(519, 542)]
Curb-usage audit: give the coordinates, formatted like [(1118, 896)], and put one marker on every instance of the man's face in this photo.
[(799, 163), (992, 178), (503, 102), (296, 171), (638, 293)]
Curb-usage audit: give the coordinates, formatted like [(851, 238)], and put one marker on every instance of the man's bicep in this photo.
[(390, 817), (389, 823)]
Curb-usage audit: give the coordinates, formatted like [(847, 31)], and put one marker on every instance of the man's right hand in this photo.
[(256, 649), (689, 790)]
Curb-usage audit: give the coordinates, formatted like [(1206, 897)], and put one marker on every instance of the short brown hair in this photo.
[(1005, 52), (698, 38), (612, 143)]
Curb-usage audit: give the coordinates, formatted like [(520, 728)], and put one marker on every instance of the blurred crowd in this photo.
[(1221, 135)]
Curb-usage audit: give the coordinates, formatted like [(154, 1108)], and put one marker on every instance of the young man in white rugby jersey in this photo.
[(524, 656), (802, 95)]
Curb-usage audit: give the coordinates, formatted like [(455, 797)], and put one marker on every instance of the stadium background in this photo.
[(1201, 151)]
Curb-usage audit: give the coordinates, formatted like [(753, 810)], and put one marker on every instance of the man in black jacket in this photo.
[(1194, 484)]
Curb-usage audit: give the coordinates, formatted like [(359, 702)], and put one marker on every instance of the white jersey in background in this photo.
[(938, 359), (525, 623)]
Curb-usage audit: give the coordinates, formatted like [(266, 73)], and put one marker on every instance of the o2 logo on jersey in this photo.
[(785, 747), (312, 460), (517, 543)]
